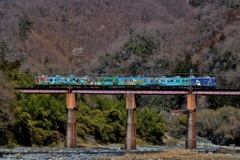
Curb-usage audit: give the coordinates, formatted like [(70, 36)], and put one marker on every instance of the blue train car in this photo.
[(144, 81), (172, 81), (203, 81), (135, 81)]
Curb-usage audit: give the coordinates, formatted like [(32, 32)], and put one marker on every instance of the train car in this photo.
[(124, 81), (201, 82), (46, 81), (105, 81), (136, 81), (172, 81)]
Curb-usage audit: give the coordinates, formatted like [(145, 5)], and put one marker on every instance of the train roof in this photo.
[(60, 76)]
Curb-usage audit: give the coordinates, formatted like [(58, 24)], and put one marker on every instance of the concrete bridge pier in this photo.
[(191, 142), (130, 141), (71, 135)]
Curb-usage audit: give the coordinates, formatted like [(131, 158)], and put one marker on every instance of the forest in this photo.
[(106, 37)]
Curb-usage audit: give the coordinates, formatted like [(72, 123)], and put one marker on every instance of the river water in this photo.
[(82, 153)]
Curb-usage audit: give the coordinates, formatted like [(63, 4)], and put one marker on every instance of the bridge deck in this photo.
[(127, 91)]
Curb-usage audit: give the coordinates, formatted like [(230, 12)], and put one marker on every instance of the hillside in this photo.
[(51, 37), (72, 33)]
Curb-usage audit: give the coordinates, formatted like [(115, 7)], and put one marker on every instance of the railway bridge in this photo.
[(130, 140)]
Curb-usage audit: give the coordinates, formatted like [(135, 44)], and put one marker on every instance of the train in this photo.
[(125, 82)]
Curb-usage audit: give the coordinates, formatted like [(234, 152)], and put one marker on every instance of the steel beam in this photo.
[(211, 92), (191, 142), (126, 91), (130, 142), (44, 91), (123, 91), (71, 139), (117, 91)]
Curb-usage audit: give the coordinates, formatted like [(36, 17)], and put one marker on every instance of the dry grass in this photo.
[(176, 155)]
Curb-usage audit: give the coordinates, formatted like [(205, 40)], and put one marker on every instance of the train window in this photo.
[(171, 80), (162, 80), (183, 80), (156, 80)]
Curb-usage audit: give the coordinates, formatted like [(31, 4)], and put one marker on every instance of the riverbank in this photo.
[(205, 151), (181, 154), (172, 152)]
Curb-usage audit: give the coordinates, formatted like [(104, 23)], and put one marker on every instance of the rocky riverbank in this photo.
[(37, 153)]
